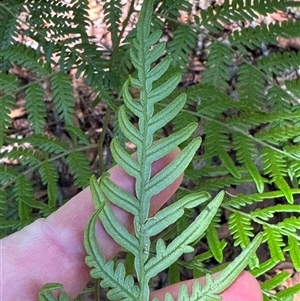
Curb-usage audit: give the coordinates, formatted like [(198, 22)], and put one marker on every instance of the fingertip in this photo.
[(245, 288)]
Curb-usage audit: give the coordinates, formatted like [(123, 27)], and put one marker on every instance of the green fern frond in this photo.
[(182, 120), (80, 168), (278, 136), (214, 243), (7, 174), (27, 157), (112, 13), (275, 242), (275, 165), (217, 144), (47, 144), (77, 134), (171, 8), (246, 153), (288, 294), (23, 192), (279, 100), (279, 62), (26, 57), (241, 229), (293, 247), (35, 107), (3, 204), (49, 292), (215, 184), (269, 212), (181, 46), (289, 225), (9, 28), (6, 104), (214, 17), (252, 37), (8, 83), (250, 86), (49, 177), (63, 96), (218, 62)]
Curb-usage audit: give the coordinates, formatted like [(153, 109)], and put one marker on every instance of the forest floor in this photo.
[(91, 119)]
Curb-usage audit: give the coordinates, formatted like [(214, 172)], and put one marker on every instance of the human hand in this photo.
[(51, 249)]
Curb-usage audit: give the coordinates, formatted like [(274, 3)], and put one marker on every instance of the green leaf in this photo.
[(35, 107), (214, 242), (124, 159), (181, 244), (47, 292), (80, 168), (166, 145), (173, 212), (63, 96), (294, 250), (118, 196), (6, 104), (165, 177)]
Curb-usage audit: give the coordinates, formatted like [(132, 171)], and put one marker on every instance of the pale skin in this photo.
[(51, 249)]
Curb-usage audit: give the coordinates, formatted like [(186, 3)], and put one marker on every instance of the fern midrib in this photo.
[(144, 172)]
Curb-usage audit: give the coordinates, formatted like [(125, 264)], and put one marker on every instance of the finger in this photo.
[(51, 249), (244, 288)]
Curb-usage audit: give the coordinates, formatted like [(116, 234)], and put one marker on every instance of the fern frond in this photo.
[(214, 243), (252, 37), (23, 192), (35, 107), (278, 136), (268, 213), (47, 143), (8, 83), (275, 242), (112, 14), (217, 144), (241, 200), (171, 8), (77, 134), (80, 168), (181, 46), (275, 166), (293, 247), (49, 177), (25, 156), (26, 57), (252, 94), (214, 17), (63, 96), (3, 204), (279, 62), (215, 184), (9, 30), (241, 229), (7, 174), (6, 104), (246, 152), (218, 62)]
